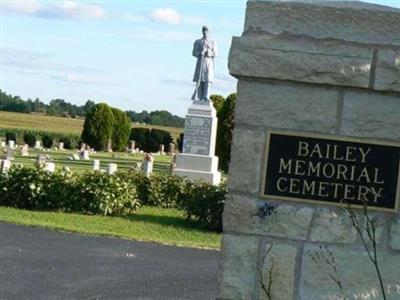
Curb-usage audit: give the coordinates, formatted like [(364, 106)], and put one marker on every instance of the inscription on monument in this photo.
[(197, 135), (331, 169)]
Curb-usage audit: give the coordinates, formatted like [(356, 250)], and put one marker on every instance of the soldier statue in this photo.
[(204, 50)]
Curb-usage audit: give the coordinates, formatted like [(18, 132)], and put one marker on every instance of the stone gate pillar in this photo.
[(317, 129)]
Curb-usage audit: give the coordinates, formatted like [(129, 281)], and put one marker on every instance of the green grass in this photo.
[(11, 120), (124, 160), (151, 224)]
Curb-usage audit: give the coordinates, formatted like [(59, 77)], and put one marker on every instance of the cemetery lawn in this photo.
[(151, 224), (124, 161)]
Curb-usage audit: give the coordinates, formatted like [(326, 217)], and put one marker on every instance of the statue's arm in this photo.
[(212, 52)]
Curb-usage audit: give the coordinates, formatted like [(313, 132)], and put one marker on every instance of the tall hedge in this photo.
[(121, 130), (11, 136), (158, 137), (139, 135), (98, 126), (30, 139), (150, 140), (47, 141), (226, 124)]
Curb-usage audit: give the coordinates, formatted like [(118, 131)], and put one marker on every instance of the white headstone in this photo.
[(112, 168), (10, 153), (131, 148), (85, 155), (161, 149), (148, 165), (25, 150), (49, 167), (61, 146), (96, 165), (2, 144), (5, 165), (171, 149), (11, 144), (37, 145), (40, 160), (75, 157), (172, 165)]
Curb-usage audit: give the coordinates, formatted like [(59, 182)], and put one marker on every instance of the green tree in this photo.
[(29, 138), (158, 137), (226, 124), (217, 101), (11, 136), (47, 141), (158, 117), (88, 106), (98, 126), (139, 135), (121, 131)]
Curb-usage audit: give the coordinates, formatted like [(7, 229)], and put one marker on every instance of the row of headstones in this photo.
[(161, 149), (10, 151), (83, 154), (41, 161), (131, 149), (12, 145)]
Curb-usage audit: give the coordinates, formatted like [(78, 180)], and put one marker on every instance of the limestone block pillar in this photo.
[(310, 68)]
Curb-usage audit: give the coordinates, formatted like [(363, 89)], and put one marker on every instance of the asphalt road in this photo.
[(41, 264)]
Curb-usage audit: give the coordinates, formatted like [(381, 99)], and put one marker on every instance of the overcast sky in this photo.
[(135, 55)]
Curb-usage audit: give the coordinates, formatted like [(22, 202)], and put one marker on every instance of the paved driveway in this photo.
[(41, 264)]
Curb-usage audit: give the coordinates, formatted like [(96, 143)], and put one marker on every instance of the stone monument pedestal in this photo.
[(197, 160)]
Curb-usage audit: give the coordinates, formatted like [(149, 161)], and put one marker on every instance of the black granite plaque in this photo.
[(331, 169)]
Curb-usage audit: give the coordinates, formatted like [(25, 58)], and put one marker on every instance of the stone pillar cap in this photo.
[(351, 21), (338, 4)]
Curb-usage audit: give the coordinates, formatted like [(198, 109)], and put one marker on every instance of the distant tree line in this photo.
[(157, 117), (56, 107), (62, 108)]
